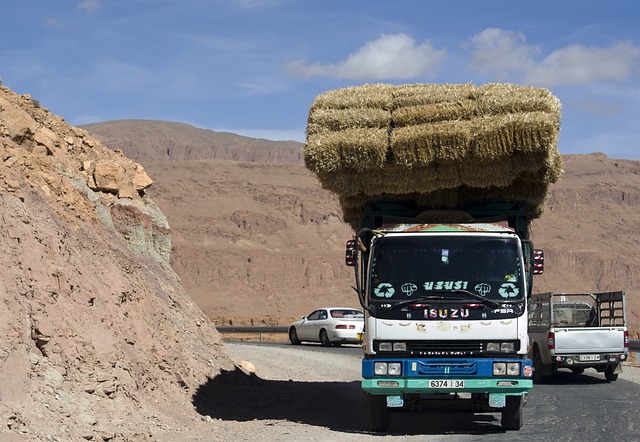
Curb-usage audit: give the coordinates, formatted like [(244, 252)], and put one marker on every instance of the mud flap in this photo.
[(497, 400)]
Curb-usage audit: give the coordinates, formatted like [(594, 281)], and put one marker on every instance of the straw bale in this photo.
[(328, 119), (358, 149), (509, 101), (436, 144), (426, 94), (484, 138), (365, 96)]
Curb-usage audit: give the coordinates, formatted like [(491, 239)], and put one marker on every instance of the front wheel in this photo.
[(324, 338), (378, 412), (512, 413), (293, 336), (609, 374)]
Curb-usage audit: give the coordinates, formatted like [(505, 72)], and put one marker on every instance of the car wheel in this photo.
[(293, 336), (324, 338), (512, 413), (609, 373), (378, 412)]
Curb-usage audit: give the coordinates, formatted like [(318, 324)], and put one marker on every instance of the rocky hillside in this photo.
[(254, 240), (99, 339), (147, 140)]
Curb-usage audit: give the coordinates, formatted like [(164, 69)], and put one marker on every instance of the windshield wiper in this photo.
[(438, 298), (482, 299), (420, 300)]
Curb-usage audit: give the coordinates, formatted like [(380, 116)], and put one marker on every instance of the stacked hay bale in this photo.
[(439, 145)]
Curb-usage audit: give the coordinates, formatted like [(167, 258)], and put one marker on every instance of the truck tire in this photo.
[(538, 377), (293, 336), (324, 338), (512, 413), (609, 374), (377, 412)]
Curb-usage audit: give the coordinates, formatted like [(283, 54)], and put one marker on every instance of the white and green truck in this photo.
[(440, 184), (445, 309)]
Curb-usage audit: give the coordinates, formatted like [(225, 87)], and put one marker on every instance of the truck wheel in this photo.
[(378, 412), (537, 367), (609, 373), (512, 413), (324, 338), (293, 336)]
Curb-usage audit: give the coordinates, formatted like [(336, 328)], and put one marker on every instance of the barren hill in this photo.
[(150, 140), (99, 340), (255, 240)]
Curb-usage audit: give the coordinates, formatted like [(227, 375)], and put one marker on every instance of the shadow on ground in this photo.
[(339, 406)]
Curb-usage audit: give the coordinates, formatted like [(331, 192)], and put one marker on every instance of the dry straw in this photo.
[(439, 145)]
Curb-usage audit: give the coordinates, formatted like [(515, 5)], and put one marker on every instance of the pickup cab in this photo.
[(578, 331)]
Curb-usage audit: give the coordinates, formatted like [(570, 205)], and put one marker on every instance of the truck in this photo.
[(577, 331), (440, 184), (445, 300)]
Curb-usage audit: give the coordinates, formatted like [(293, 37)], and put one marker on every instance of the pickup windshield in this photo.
[(414, 267)]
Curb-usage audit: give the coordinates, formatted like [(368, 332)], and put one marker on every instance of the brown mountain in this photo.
[(160, 140), (254, 240)]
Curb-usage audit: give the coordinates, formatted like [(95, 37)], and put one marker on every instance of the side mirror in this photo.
[(350, 253), (538, 262)]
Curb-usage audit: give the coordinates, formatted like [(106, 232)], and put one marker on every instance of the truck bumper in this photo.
[(399, 386)]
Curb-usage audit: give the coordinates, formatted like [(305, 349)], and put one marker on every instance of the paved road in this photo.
[(568, 407)]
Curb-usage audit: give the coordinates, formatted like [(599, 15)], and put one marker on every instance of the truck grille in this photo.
[(445, 349), (452, 367)]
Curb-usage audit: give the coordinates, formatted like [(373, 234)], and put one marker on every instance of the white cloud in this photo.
[(507, 55), (578, 64), (389, 57), (501, 52), (89, 6)]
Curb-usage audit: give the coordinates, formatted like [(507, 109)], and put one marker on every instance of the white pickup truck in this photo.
[(578, 331)]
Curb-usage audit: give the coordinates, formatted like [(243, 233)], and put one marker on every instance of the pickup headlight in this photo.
[(387, 369)]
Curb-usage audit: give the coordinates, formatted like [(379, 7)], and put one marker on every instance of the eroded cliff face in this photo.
[(67, 165), (99, 339)]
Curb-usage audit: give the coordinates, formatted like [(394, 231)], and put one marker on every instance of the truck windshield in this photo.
[(436, 267)]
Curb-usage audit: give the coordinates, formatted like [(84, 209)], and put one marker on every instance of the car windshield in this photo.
[(404, 268)]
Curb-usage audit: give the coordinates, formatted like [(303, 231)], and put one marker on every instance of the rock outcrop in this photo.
[(99, 339)]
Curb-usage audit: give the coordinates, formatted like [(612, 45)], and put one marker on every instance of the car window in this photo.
[(314, 316), (323, 314), (346, 313)]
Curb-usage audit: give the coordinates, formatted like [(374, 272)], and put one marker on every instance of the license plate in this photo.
[(446, 383), (584, 358)]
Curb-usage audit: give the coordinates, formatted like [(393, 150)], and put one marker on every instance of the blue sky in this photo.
[(254, 67)]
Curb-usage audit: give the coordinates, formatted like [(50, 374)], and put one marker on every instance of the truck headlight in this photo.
[(387, 368), (513, 369), (395, 369), (501, 346), (392, 346), (506, 368)]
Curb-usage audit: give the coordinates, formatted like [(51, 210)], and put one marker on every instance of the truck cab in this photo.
[(445, 314)]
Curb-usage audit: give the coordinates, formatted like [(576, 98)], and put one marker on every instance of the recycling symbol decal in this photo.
[(508, 290), (384, 290)]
